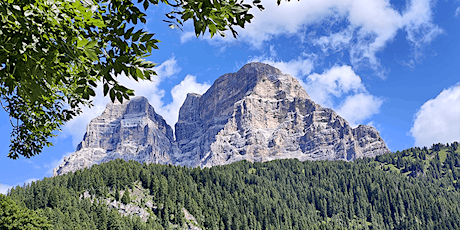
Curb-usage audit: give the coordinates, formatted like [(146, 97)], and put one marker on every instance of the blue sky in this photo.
[(391, 64)]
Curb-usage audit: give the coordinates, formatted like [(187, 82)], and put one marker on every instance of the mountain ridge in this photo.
[(255, 114)]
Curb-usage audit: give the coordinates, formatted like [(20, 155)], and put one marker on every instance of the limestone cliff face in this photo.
[(255, 114), (261, 114), (130, 131)]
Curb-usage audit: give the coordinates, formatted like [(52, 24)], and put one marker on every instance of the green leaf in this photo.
[(146, 37), (198, 27), (139, 73), (91, 92), (120, 97), (106, 89), (137, 35), (212, 29), (91, 54), (82, 42), (91, 82), (91, 44), (128, 33), (98, 23), (112, 95), (81, 82)]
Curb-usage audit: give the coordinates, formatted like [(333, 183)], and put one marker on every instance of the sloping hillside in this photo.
[(281, 194)]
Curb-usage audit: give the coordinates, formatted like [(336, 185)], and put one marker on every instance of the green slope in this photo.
[(412, 189)]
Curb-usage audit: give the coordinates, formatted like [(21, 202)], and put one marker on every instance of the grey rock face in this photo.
[(130, 131), (255, 114), (261, 114)]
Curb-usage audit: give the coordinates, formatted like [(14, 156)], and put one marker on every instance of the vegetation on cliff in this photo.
[(413, 189)]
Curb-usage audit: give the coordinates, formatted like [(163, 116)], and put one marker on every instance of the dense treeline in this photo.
[(412, 189)]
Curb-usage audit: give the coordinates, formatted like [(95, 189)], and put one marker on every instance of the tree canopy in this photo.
[(13, 216), (282, 194), (54, 53)]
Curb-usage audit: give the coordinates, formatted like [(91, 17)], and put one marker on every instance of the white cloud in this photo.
[(420, 30), (273, 53), (170, 112), (362, 27), (340, 83), (296, 67), (187, 36), (437, 120), (359, 107), (457, 12), (4, 188), (168, 68), (335, 82)]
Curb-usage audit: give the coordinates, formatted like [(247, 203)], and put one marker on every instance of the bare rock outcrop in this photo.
[(255, 114), (261, 114), (129, 131)]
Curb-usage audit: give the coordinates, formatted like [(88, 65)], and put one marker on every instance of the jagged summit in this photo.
[(257, 114), (137, 112), (131, 130), (260, 114)]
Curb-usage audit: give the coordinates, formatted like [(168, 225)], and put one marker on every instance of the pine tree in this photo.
[(126, 199), (117, 195)]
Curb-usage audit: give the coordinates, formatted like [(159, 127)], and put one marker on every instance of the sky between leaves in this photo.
[(394, 65)]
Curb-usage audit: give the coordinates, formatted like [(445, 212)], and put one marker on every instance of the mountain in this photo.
[(256, 114), (261, 114), (129, 131)]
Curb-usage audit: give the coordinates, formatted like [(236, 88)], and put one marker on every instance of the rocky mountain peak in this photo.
[(260, 114), (255, 114), (130, 131)]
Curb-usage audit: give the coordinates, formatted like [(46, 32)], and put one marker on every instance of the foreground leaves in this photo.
[(54, 53)]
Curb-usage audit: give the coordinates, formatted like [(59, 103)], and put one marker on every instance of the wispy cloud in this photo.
[(187, 36), (35, 166), (361, 27), (299, 67), (437, 120)]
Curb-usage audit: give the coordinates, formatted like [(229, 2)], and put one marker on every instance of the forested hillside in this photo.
[(413, 189)]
